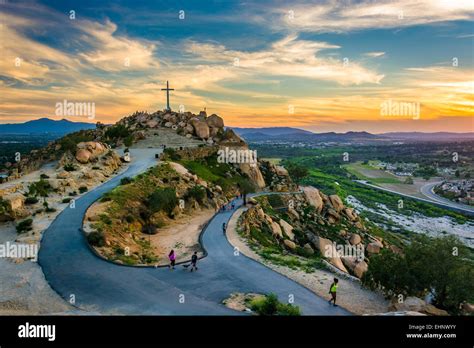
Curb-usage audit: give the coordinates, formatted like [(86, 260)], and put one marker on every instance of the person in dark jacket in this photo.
[(194, 260)]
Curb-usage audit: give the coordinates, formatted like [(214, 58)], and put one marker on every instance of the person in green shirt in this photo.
[(332, 291)]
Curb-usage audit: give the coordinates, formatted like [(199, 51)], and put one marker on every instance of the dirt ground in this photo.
[(351, 295), (182, 237)]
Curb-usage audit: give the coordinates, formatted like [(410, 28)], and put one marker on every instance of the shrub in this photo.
[(163, 199), (72, 194), (296, 171), (129, 219), (50, 210), (44, 176), (125, 181), (24, 226), (128, 141), (83, 189), (269, 305), (118, 131), (171, 154), (427, 263), (96, 238), (31, 200), (95, 167), (39, 188), (66, 200), (197, 192), (69, 167)]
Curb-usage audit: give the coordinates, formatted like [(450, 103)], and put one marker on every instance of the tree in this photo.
[(246, 187), (457, 173), (440, 265), (296, 171), (163, 199)]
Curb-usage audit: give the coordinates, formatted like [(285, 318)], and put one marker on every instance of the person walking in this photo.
[(194, 259), (333, 291), (172, 258), (224, 227)]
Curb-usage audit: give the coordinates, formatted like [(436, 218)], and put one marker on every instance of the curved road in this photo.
[(97, 285), (428, 191), (431, 197)]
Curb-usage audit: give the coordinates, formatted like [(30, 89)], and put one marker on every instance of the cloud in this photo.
[(338, 16), (374, 54), (289, 56)]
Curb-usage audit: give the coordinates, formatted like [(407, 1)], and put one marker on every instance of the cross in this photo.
[(167, 89)]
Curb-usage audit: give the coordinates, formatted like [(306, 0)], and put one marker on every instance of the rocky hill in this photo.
[(312, 224)]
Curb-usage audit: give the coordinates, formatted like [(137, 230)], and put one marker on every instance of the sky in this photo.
[(376, 66)]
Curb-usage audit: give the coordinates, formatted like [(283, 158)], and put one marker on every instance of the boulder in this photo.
[(254, 174), (355, 239), (307, 247), (313, 197), (291, 245), (281, 171), (260, 213), (293, 214), (288, 229), (360, 268), (188, 129), (373, 248), (202, 129), (215, 121), (468, 307), (336, 202), (276, 229), (83, 156), (329, 251), (432, 310), (152, 123), (15, 202), (411, 303), (350, 213)]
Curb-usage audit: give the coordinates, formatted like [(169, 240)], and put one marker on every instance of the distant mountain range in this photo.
[(45, 126), (289, 134)]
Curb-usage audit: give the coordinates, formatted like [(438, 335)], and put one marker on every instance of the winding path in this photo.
[(97, 285)]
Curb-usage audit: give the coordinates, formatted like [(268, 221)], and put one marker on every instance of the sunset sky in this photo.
[(320, 65)]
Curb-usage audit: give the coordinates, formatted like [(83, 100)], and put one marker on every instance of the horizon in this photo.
[(325, 67), (273, 127)]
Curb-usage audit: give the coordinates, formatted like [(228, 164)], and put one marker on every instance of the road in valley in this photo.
[(96, 285)]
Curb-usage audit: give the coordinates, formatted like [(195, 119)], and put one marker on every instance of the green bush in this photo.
[(72, 193), (31, 200), (83, 189), (24, 226), (125, 181), (69, 167), (171, 154), (269, 305), (296, 171), (44, 176), (39, 188), (117, 131), (197, 192), (128, 141), (96, 238), (66, 200), (163, 199), (441, 264)]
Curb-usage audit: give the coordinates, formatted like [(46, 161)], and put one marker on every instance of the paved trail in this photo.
[(97, 285)]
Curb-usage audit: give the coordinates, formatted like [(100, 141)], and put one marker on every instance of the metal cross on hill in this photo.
[(167, 89)]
